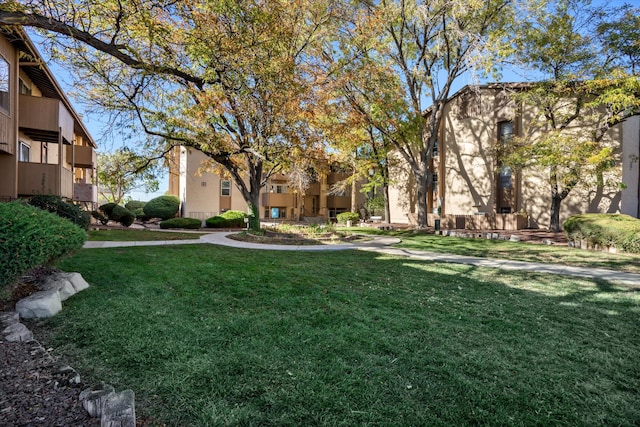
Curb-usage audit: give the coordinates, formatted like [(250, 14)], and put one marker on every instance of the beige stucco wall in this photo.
[(200, 189), (467, 141)]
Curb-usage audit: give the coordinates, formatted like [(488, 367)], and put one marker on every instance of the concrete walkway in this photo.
[(382, 244)]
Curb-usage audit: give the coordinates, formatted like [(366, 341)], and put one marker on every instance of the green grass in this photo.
[(519, 251), (211, 336), (139, 235)]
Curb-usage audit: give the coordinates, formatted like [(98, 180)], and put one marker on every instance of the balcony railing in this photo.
[(85, 192), (45, 115), (38, 178), (82, 156)]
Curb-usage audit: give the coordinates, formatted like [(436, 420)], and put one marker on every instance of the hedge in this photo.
[(229, 219), (66, 210), (191, 223), (605, 230), (132, 205), (163, 207), (348, 216), (30, 237)]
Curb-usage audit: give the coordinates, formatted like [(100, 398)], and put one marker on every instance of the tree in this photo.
[(583, 95), (228, 78), (423, 48), (121, 172)]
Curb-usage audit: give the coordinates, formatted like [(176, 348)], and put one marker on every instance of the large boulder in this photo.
[(41, 304)]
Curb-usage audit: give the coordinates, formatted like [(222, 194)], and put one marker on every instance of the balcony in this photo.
[(85, 192), (81, 155), (277, 199), (38, 178), (44, 118)]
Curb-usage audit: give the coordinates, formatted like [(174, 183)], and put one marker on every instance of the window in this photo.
[(45, 153), (505, 132), (4, 85), (203, 183), (505, 177), (279, 188), (24, 89), (435, 148), (225, 187), (24, 154)]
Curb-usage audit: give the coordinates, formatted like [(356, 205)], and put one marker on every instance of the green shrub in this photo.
[(134, 204), (123, 215), (107, 209), (621, 231), (56, 205), (139, 213), (100, 217), (163, 207), (30, 237), (191, 223), (229, 219), (348, 216)]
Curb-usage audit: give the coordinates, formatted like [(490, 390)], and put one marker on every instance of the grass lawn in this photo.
[(220, 336), (139, 235), (519, 251)]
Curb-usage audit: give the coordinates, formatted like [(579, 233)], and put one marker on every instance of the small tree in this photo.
[(123, 171)]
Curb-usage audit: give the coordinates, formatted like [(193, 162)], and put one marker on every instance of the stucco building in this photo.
[(204, 192), (472, 190)]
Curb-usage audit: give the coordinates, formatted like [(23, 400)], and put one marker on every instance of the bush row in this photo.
[(30, 236), (190, 223), (605, 230)]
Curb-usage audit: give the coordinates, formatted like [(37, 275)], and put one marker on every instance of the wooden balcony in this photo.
[(277, 199), (44, 118), (38, 178), (82, 156)]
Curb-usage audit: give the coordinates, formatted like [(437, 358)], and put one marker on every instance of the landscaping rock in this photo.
[(17, 332), (93, 399), (514, 238), (9, 318), (60, 283), (41, 304), (76, 279), (119, 410)]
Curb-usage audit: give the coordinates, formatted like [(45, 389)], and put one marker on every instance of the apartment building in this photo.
[(44, 146), (472, 190), (204, 192)]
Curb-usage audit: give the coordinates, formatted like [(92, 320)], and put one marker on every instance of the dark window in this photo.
[(4, 85), (25, 152), (505, 177), (505, 132)]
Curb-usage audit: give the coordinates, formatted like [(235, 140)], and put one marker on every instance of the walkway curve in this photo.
[(382, 244)]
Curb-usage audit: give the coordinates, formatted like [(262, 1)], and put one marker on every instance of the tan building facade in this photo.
[(204, 192), (470, 183), (44, 146)]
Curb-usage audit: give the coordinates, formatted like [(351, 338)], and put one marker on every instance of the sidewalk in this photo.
[(382, 244)]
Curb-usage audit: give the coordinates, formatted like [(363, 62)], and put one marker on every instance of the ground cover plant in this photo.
[(519, 251), (139, 235), (221, 336)]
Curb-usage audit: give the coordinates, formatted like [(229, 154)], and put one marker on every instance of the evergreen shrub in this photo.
[(163, 207), (348, 216), (66, 210), (30, 236), (122, 215), (190, 223), (605, 230), (229, 219)]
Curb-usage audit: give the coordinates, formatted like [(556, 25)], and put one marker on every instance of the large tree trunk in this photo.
[(554, 223), (387, 208), (422, 189)]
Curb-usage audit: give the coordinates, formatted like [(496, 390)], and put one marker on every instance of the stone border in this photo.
[(113, 409)]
